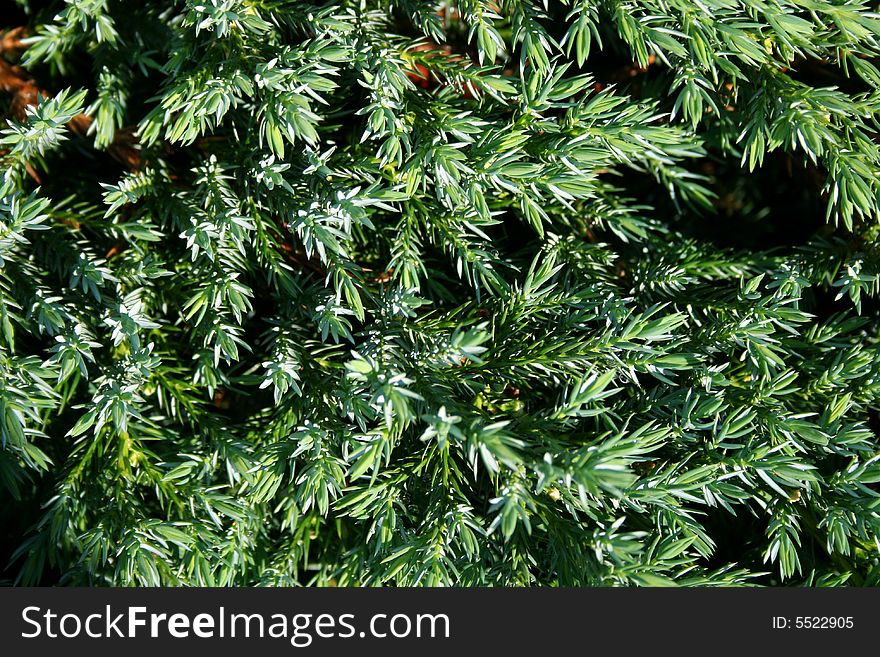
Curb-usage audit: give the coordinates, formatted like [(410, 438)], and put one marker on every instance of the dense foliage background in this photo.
[(419, 293)]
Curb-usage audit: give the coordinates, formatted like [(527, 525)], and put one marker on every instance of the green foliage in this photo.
[(442, 293)]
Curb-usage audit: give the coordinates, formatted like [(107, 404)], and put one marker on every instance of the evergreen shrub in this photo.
[(401, 292)]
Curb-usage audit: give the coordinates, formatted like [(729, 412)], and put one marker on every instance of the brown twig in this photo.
[(298, 257), (632, 70), (26, 93), (12, 40)]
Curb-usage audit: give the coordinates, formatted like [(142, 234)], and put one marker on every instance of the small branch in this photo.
[(26, 92), (12, 40)]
